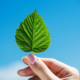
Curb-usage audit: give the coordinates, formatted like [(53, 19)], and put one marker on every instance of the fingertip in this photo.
[(24, 59), (25, 72), (20, 72), (17, 72)]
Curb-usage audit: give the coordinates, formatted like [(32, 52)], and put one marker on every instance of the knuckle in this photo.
[(76, 73), (51, 61), (38, 66)]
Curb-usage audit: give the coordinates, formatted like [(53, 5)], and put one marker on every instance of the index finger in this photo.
[(55, 65)]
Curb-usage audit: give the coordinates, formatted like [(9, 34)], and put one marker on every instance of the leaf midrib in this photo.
[(33, 30)]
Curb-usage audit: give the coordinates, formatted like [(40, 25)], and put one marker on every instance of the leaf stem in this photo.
[(32, 52)]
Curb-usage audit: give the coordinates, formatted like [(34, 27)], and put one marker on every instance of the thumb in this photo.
[(40, 69)]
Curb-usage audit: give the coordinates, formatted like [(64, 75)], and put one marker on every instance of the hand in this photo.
[(47, 69)]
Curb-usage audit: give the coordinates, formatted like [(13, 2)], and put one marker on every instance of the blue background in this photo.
[(62, 17)]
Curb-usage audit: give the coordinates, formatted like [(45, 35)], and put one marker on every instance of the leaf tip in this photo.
[(35, 10)]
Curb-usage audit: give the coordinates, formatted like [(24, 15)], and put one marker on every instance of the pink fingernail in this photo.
[(31, 58)]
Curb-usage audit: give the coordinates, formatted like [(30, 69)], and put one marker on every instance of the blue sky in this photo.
[(62, 17)]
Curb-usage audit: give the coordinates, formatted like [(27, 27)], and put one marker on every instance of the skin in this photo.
[(48, 69)]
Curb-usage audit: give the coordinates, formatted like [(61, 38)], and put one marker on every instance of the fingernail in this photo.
[(31, 58), (20, 69)]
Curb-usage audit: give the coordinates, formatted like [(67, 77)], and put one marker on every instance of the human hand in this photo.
[(47, 69)]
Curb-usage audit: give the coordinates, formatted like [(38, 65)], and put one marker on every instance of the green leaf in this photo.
[(32, 34)]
